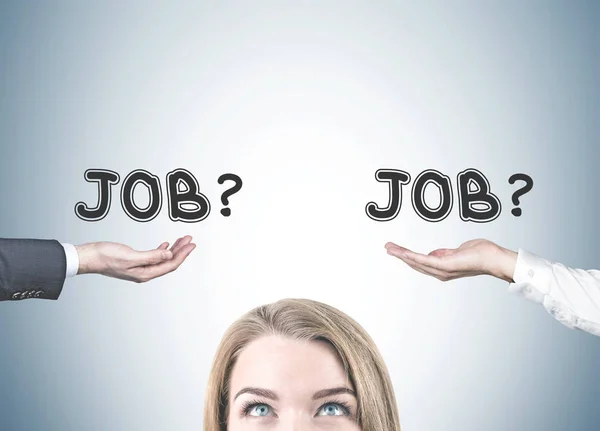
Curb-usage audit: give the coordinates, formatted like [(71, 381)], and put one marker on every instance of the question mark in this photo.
[(224, 197), (516, 195)]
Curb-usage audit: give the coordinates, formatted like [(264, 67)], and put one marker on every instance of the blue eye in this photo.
[(259, 410), (333, 409)]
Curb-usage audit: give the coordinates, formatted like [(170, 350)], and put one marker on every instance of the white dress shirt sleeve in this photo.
[(572, 296), (72, 260)]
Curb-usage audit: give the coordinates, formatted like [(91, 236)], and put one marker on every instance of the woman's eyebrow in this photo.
[(333, 391), (266, 393)]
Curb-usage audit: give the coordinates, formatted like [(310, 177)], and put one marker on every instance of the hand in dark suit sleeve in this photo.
[(31, 268)]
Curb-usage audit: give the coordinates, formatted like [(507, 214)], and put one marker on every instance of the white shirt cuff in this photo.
[(531, 276), (72, 260)]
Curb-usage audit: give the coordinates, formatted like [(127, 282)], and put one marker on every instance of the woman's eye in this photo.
[(259, 410), (332, 409)]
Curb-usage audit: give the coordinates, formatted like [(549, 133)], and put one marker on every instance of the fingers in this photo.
[(440, 261), (151, 257), (159, 255), (177, 245), (180, 243), (177, 253), (148, 273), (440, 252), (402, 253), (389, 245), (417, 266), (181, 254)]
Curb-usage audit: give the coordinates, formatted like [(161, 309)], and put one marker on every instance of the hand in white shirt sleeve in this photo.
[(572, 296)]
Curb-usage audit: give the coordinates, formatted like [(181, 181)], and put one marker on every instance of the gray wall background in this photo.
[(304, 101)]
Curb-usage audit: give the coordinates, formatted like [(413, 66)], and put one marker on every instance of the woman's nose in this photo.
[(297, 421), (300, 425)]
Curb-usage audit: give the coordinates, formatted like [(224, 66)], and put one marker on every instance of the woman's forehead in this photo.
[(288, 366)]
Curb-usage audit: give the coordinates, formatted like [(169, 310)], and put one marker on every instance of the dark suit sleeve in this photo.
[(31, 268)]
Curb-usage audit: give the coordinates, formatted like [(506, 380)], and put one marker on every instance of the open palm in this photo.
[(121, 261), (474, 257)]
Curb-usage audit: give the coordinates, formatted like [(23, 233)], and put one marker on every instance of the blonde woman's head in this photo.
[(299, 364)]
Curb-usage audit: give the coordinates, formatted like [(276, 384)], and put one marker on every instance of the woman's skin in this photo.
[(283, 384), (475, 257)]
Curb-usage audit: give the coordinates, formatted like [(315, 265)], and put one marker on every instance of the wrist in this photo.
[(88, 258), (505, 268)]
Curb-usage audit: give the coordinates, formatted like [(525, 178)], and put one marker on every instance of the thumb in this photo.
[(151, 257)]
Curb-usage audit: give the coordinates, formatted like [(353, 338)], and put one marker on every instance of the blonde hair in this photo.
[(304, 319)]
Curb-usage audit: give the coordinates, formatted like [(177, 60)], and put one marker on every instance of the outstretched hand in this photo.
[(122, 262), (475, 257)]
